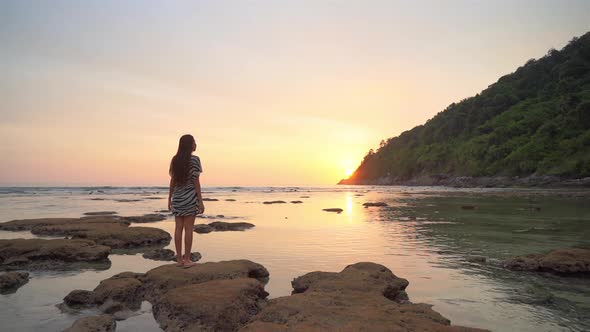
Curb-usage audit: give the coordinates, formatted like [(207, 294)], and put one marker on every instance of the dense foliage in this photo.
[(533, 121)]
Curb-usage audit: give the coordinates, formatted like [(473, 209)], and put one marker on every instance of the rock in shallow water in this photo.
[(220, 226), (43, 254), (102, 323), (10, 282), (563, 261), (376, 204), (229, 296), (218, 305), (160, 255), (111, 231), (363, 297), (168, 255), (337, 210), (100, 213)]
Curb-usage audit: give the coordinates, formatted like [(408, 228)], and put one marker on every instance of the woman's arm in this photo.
[(170, 193), (199, 195)]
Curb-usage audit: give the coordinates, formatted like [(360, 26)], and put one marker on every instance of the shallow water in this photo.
[(424, 236)]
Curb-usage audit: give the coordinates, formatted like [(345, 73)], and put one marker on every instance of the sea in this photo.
[(435, 237)]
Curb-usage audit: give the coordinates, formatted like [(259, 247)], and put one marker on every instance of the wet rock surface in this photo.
[(561, 261), (168, 255), (10, 282), (221, 226), (160, 255), (112, 231), (102, 323), (206, 297), (230, 296), (100, 213), (218, 305), (152, 217), (374, 204), (363, 297), (33, 254)]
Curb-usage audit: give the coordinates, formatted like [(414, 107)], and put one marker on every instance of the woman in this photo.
[(184, 198)]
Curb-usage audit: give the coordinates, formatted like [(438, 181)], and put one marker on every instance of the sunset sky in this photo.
[(275, 92)]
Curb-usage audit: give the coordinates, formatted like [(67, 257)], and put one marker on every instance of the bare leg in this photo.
[(178, 239), (189, 223)]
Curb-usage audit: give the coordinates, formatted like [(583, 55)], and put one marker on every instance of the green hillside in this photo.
[(535, 121)]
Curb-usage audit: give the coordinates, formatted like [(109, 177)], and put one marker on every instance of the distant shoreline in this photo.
[(545, 181)]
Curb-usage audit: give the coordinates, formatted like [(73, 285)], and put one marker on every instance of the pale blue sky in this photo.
[(276, 92)]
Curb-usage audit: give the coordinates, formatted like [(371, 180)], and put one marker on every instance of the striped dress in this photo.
[(184, 197)]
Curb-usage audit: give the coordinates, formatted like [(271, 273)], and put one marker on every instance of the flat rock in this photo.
[(230, 296), (28, 224), (80, 299), (376, 204), (100, 213), (274, 202), (112, 231), (230, 200), (218, 305), (102, 323), (212, 296), (11, 281), (562, 261), (202, 228), (296, 202), (49, 254), (152, 217), (114, 235), (221, 226), (210, 199), (160, 255), (124, 288), (365, 277), (337, 210), (363, 297), (476, 259), (170, 276)]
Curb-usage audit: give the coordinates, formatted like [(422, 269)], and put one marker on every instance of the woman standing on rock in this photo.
[(184, 199)]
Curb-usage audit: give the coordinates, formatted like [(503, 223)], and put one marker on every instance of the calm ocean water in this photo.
[(423, 236)]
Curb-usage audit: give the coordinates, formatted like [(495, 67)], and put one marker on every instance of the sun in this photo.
[(348, 172)]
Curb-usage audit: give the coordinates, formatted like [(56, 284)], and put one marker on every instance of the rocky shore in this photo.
[(221, 226), (11, 281), (111, 231), (567, 261), (545, 181), (230, 296), (86, 242), (40, 254)]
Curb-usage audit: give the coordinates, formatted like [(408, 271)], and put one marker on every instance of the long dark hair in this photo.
[(180, 164)]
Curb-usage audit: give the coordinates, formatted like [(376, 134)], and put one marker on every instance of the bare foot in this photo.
[(180, 262), (189, 264)]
